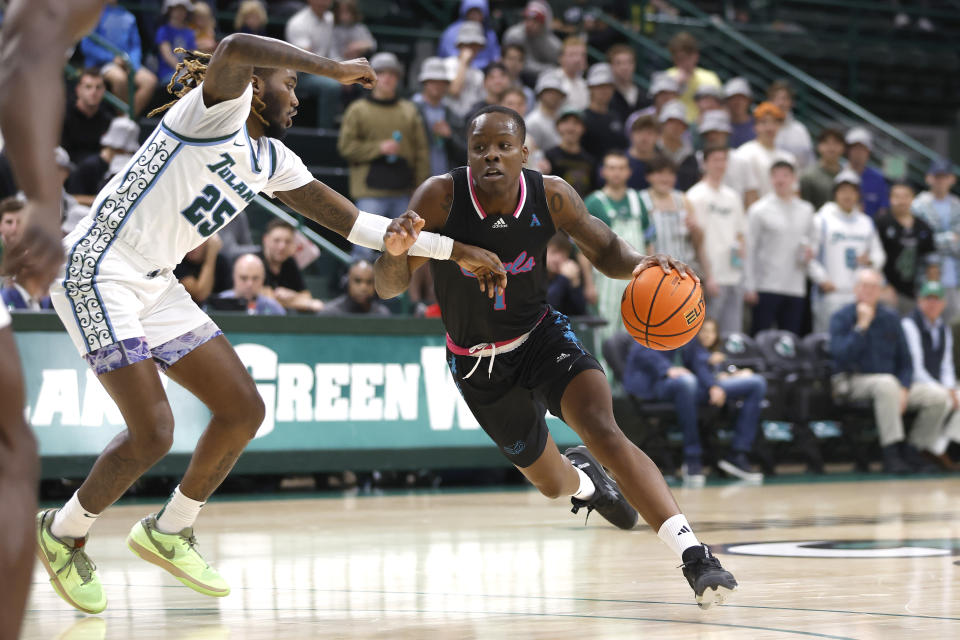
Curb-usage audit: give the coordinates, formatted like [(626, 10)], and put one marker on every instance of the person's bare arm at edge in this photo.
[(231, 67), (36, 37), (605, 250), (429, 209)]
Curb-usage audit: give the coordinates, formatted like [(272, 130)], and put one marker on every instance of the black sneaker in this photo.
[(711, 583), (606, 499), (737, 465), (893, 462)]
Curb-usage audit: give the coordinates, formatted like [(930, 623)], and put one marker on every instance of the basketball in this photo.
[(662, 310)]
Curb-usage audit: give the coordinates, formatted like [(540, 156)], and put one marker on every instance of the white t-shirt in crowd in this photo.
[(720, 214), (309, 31), (753, 162)]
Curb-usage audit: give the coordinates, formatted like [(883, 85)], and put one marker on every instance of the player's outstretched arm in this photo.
[(234, 59), (605, 250), (430, 207)]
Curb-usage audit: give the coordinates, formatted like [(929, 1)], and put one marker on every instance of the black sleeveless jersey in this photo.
[(519, 239)]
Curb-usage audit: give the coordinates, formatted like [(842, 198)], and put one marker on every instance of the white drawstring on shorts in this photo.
[(480, 347)]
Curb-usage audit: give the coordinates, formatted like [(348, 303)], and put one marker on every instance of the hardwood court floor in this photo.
[(514, 565)]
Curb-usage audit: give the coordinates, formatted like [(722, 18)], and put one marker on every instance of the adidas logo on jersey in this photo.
[(500, 224)]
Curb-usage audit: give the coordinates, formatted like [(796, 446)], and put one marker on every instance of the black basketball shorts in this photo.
[(509, 402)]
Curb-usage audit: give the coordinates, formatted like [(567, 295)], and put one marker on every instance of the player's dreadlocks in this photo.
[(189, 73)]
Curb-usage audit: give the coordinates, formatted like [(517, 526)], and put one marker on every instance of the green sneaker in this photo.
[(72, 574), (177, 553)]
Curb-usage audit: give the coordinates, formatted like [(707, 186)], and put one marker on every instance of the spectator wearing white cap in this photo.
[(71, 211), (874, 190), (846, 240), (542, 120), (311, 28), (573, 62), (384, 140), (535, 36), (708, 98), (673, 144), (444, 129), (780, 241), (941, 210), (685, 52), (757, 156), (117, 146), (568, 160), (466, 81), (738, 98), (644, 133), (816, 183), (627, 96), (793, 135), (604, 131), (174, 33), (714, 131), (477, 12), (663, 89), (719, 210)]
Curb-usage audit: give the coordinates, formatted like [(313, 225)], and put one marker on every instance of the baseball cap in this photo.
[(708, 90), (385, 61), (716, 120), (433, 68), (599, 74), (471, 33), (768, 110), (859, 135), (737, 87), (539, 10), (170, 4), (550, 80), (570, 112), (673, 110), (661, 82), (931, 288), (123, 133), (939, 166), (847, 176)]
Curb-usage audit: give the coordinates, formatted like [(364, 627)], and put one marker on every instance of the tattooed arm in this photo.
[(234, 59), (607, 251), (430, 207), (323, 205)]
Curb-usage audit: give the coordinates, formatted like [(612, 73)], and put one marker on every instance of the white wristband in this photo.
[(432, 245), (369, 228)]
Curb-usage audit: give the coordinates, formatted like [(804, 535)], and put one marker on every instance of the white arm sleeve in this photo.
[(190, 117), (369, 228)]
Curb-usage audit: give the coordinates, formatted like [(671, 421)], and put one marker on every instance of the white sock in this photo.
[(585, 492), (678, 534), (72, 521), (179, 512)]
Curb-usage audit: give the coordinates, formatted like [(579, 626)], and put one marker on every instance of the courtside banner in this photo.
[(341, 387)]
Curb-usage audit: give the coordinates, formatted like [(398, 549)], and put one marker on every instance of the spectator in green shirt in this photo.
[(816, 183)]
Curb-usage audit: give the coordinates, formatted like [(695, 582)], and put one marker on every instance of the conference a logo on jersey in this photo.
[(846, 549)]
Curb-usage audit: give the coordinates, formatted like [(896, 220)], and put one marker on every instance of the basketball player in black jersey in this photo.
[(513, 357)]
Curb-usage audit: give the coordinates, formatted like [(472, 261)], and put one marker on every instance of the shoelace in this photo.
[(83, 564), (709, 560), (481, 347), (576, 509)]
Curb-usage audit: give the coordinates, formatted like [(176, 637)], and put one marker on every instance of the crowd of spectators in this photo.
[(786, 232)]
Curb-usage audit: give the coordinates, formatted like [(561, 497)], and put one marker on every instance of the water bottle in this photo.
[(397, 137)]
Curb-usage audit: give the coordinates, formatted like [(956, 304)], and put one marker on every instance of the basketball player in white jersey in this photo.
[(213, 151)]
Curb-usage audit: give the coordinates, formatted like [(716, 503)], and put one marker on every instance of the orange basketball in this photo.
[(662, 310)]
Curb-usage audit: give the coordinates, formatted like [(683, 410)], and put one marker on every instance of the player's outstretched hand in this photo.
[(357, 71), (666, 263), (485, 265), (402, 233), (39, 251)]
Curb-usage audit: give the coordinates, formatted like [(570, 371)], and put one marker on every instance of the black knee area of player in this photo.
[(243, 412), (152, 434)]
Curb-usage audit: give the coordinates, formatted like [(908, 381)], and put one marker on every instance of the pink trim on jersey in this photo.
[(463, 351), (476, 201)]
